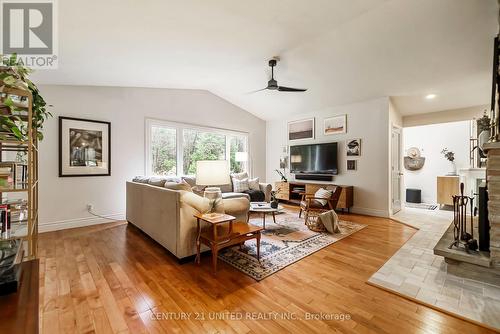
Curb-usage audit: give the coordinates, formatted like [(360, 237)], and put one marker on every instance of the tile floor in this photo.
[(416, 272)]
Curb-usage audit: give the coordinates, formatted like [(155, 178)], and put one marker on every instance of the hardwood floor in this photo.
[(112, 278)]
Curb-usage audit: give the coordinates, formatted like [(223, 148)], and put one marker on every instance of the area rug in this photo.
[(282, 244), (421, 206)]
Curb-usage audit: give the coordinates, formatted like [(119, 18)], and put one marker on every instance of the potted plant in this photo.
[(13, 74), (450, 156), (280, 173)]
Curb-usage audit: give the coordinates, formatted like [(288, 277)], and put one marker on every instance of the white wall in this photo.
[(366, 120), (63, 200), (431, 139)]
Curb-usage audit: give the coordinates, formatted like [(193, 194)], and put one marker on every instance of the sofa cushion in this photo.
[(255, 195), (240, 186), (191, 180), (158, 181), (235, 195), (182, 185)]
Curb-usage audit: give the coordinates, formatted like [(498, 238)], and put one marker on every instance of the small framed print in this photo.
[(353, 147), (352, 164), (84, 147), (335, 125)]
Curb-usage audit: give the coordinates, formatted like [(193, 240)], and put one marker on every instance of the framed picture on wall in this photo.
[(301, 130), (353, 147), (351, 164), (335, 125), (84, 147)]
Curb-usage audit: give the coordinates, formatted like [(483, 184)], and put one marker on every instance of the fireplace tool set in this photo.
[(463, 236)]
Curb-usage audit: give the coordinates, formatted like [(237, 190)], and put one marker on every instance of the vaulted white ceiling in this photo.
[(343, 51)]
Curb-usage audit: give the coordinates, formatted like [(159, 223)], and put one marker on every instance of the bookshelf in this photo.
[(19, 174)]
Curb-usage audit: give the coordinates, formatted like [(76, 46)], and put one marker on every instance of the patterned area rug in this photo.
[(282, 244), (421, 206)]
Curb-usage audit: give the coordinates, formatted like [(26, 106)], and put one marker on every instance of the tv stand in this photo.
[(290, 192)]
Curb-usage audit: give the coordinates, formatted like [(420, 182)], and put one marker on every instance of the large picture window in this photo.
[(174, 148)]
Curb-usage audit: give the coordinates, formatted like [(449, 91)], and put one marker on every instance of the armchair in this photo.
[(313, 207)]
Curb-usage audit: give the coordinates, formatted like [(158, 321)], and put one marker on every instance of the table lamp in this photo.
[(212, 173)]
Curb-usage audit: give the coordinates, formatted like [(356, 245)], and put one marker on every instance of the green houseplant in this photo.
[(13, 74)]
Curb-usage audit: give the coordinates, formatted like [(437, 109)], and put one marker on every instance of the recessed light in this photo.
[(430, 96)]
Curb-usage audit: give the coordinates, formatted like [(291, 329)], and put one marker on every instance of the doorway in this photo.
[(396, 173)]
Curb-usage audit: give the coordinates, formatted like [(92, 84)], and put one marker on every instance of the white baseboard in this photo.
[(370, 212), (78, 222)]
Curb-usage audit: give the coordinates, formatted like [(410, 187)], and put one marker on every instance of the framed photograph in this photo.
[(353, 147), (301, 130), (351, 164), (84, 147), (335, 125)]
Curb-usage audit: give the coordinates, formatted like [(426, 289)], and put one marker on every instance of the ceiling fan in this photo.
[(273, 84)]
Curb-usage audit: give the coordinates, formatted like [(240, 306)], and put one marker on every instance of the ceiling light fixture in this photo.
[(430, 96)]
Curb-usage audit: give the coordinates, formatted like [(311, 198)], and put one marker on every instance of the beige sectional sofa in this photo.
[(166, 215)]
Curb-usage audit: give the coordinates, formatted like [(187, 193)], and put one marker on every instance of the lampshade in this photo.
[(241, 156), (212, 172)]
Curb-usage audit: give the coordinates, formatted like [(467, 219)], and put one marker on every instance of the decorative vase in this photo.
[(453, 170), (483, 138)]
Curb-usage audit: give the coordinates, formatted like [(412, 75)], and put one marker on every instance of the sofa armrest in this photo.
[(266, 188)]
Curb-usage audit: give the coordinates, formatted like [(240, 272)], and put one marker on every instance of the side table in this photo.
[(224, 232)]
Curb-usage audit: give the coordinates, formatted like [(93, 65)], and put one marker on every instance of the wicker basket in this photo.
[(313, 222)]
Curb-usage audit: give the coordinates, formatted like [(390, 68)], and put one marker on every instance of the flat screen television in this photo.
[(314, 159)]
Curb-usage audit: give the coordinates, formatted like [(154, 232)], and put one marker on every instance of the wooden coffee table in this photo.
[(224, 232), (264, 210)]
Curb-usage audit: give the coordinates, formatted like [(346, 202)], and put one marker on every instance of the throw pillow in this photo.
[(240, 186), (141, 179), (323, 193), (330, 220), (158, 181), (182, 185), (253, 184)]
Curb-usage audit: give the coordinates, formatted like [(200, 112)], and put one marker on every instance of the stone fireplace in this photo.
[(493, 179), (480, 265)]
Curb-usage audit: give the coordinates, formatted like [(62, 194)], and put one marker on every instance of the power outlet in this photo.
[(90, 207)]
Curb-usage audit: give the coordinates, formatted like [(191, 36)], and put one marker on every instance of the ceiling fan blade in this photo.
[(258, 90), (290, 89)]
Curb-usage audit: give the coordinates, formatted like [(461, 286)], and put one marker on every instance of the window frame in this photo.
[(179, 133)]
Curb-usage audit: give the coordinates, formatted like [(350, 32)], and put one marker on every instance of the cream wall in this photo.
[(63, 200), (366, 120), (453, 115)]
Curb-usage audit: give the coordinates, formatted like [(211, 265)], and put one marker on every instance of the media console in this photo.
[(290, 192)]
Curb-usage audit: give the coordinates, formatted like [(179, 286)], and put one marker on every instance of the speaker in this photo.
[(313, 177)]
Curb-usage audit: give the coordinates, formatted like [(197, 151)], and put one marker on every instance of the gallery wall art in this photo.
[(353, 147), (301, 130), (335, 125), (84, 147)]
